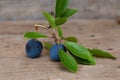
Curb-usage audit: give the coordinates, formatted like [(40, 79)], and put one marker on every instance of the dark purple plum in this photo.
[(54, 51), (33, 48)]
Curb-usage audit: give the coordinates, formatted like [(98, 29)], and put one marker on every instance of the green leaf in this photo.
[(34, 35), (78, 50), (60, 21), (71, 39), (100, 53), (84, 61), (50, 19), (47, 45), (68, 13), (61, 6), (60, 33), (68, 61)]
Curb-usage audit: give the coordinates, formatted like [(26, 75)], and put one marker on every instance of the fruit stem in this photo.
[(57, 40), (53, 33), (37, 28)]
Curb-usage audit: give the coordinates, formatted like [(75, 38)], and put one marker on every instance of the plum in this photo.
[(33, 48), (54, 51)]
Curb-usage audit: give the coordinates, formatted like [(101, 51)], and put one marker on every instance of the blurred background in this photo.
[(11, 10)]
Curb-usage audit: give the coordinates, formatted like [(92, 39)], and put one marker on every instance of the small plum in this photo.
[(33, 48), (54, 51)]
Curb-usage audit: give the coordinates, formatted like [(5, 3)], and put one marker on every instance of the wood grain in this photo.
[(102, 34), (32, 10)]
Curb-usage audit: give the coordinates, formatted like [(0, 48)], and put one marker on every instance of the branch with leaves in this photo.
[(67, 49)]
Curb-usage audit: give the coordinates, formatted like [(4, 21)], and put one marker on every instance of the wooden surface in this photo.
[(102, 34), (32, 10)]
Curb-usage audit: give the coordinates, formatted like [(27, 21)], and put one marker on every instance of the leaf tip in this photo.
[(114, 58)]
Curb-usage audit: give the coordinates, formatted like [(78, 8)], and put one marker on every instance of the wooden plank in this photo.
[(31, 10), (14, 65)]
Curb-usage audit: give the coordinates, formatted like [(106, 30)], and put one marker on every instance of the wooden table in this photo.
[(102, 34)]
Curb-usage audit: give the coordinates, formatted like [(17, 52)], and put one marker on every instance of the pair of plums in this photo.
[(34, 49)]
